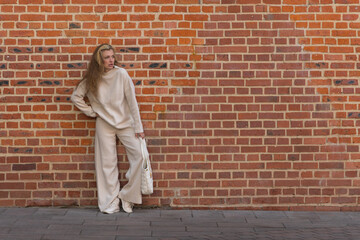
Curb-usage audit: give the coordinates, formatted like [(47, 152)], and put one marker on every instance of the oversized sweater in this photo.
[(115, 102)]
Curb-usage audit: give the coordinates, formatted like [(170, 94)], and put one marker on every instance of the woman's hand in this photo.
[(142, 135)]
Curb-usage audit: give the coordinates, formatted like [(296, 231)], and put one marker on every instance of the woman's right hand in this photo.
[(140, 135)]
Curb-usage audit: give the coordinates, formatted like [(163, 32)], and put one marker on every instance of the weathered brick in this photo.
[(24, 167)]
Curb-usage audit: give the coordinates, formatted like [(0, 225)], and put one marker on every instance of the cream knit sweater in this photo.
[(115, 103)]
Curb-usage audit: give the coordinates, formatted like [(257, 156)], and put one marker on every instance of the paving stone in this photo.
[(210, 237), (211, 220), (203, 229), (270, 214), (327, 224), (27, 230), (146, 212), (166, 219), (96, 221), (236, 236), (4, 230), (180, 238), (50, 212), (109, 217), (65, 221), (296, 223), (207, 214), (19, 211), (156, 224), (174, 234), (225, 230), (233, 224), (137, 238), (76, 237), (332, 215), (117, 214), (145, 218), (168, 228), (65, 226), (134, 228), (176, 214), (61, 231), (132, 223), (27, 236), (141, 232), (41, 223), (355, 215), (235, 213), (81, 213), (167, 223), (268, 229), (7, 221), (98, 232), (301, 214), (354, 223), (202, 223), (100, 228), (264, 223), (230, 221)]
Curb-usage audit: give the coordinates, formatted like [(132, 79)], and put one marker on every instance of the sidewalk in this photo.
[(146, 224)]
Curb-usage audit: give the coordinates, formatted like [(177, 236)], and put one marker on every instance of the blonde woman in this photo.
[(111, 95)]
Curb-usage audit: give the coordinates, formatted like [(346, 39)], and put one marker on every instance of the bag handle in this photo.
[(144, 152)]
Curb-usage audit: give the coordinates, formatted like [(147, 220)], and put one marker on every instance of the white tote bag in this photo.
[(146, 171)]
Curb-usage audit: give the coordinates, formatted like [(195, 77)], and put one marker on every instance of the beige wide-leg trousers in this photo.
[(107, 173)]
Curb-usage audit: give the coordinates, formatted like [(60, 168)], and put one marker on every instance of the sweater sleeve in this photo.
[(131, 99), (78, 99)]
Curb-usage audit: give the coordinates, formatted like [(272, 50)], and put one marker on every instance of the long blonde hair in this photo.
[(96, 68)]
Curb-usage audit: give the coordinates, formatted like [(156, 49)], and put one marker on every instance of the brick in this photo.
[(46, 150), (75, 133), (181, 184), (22, 33), (183, 33), (30, 176), (218, 116), (278, 165), (24, 167), (32, 17), (75, 184), (12, 185), (234, 183), (331, 165), (20, 133), (268, 90), (64, 166), (20, 194)]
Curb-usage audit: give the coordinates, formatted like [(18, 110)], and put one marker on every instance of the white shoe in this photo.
[(127, 206), (114, 207)]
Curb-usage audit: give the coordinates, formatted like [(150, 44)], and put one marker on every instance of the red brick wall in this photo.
[(246, 103)]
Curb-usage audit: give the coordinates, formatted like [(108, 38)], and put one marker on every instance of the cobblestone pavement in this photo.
[(146, 224)]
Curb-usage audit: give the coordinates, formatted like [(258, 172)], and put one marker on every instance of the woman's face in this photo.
[(108, 58)]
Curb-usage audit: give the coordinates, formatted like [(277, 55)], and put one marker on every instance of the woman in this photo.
[(111, 94)]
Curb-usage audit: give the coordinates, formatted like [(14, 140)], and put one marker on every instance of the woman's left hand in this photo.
[(142, 135)]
